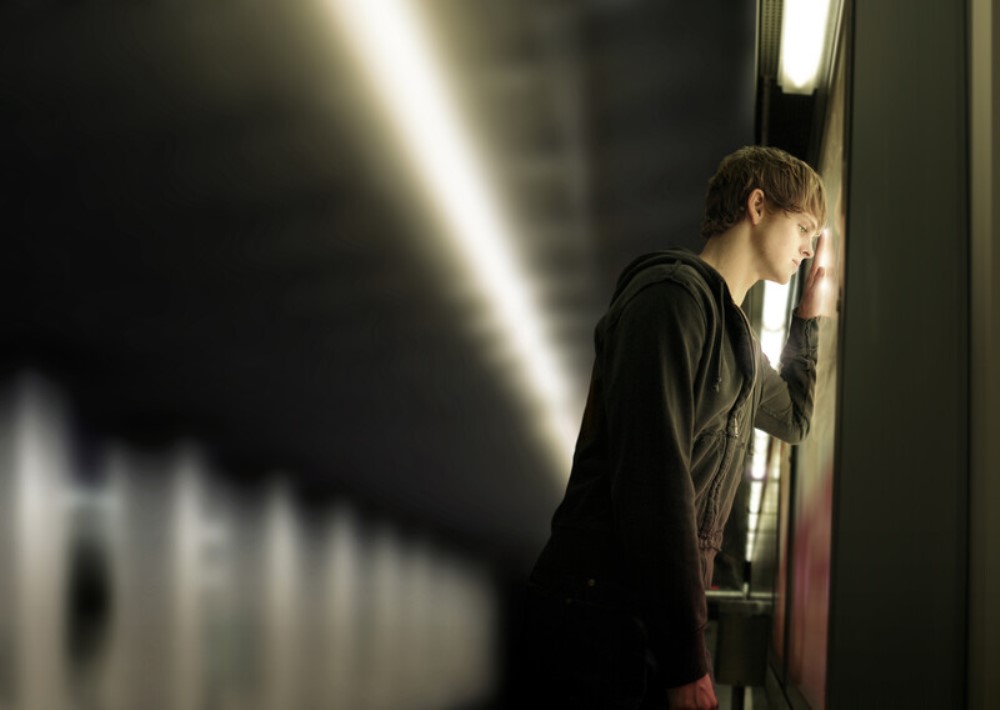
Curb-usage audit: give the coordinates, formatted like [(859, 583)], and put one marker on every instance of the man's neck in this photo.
[(727, 254)]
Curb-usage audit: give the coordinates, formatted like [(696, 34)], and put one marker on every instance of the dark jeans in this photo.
[(580, 650)]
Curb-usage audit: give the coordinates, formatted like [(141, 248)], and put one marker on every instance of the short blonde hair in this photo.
[(788, 184)]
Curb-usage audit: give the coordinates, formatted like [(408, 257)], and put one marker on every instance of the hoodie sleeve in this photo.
[(786, 402), (650, 362)]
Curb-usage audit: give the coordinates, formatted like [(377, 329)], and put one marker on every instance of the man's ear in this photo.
[(756, 206)]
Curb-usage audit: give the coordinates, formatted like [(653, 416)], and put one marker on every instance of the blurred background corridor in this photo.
[(296, 327)]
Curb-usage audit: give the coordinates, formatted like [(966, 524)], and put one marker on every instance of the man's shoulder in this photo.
[(664, 291), (674, 279)]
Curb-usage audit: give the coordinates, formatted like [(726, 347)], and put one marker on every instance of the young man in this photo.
[(616, 608)]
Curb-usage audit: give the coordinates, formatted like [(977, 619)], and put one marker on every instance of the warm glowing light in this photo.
[(758, 468), (775, 318), (756, 496), (824, 250), (804, 39), (826, 258), (775, 305), (392, 47)]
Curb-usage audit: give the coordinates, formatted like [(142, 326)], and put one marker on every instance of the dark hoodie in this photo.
[(678, 385)]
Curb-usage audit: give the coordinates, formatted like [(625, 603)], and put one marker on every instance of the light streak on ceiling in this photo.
[(392, 47)]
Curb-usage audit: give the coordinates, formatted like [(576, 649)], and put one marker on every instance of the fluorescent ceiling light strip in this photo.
[(387, 37), (803, 42)]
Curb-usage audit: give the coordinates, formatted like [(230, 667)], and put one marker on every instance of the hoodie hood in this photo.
[(713, 278)]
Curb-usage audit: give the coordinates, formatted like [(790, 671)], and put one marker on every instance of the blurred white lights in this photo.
[(34, 511), (213, 598), (805, 38), (775, 317), (758, 468), (391, 45), (756, 497)]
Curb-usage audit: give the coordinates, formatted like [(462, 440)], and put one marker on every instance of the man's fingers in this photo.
[(815, 276)]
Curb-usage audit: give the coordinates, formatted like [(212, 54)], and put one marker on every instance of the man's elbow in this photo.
[(797, 436), (797, 432)]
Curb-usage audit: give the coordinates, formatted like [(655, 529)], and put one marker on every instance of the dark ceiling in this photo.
[(209, 232)]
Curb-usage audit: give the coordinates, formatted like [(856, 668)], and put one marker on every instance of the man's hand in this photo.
[(819, 291), (699, 695)]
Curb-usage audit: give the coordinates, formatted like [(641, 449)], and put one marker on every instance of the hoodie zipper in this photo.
[(710, 514)]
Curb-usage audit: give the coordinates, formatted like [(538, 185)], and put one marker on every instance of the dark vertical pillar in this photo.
[(984, 185), (898, 589)]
